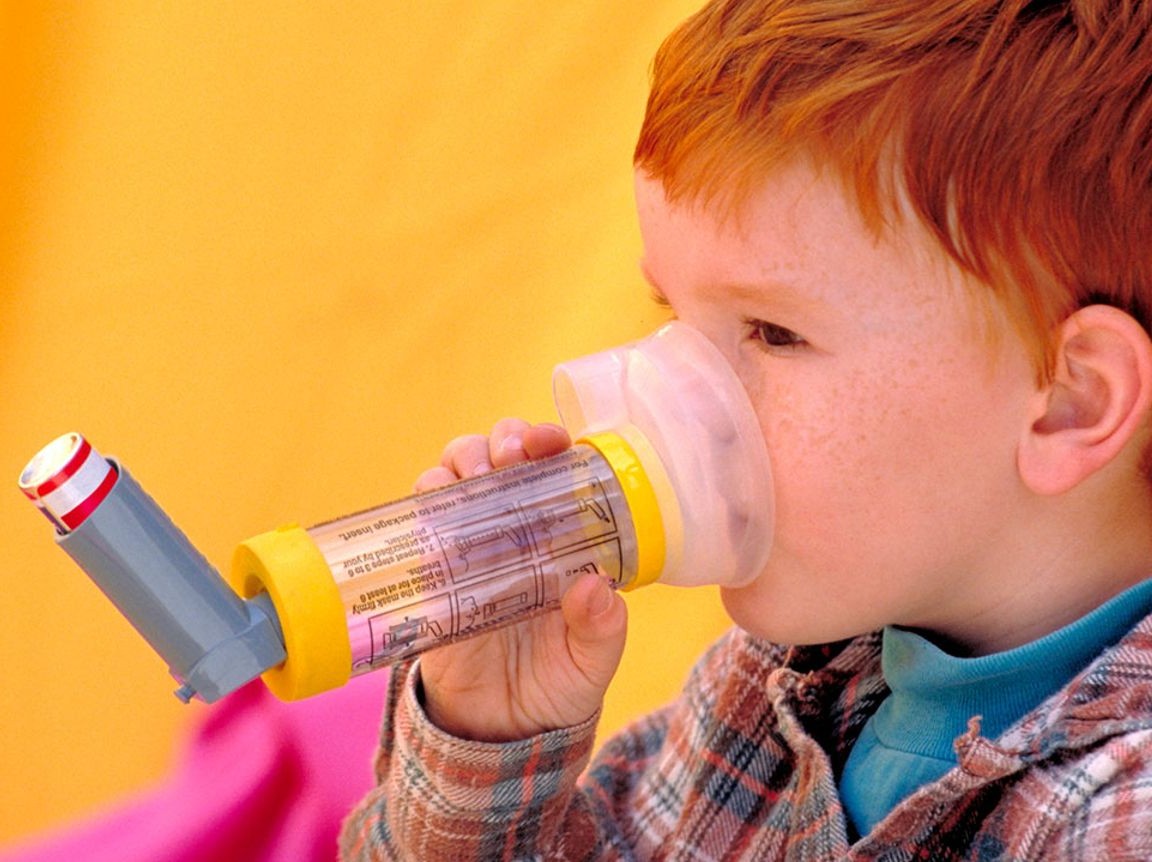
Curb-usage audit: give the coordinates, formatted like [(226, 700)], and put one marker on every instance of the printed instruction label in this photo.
[(443, 565)]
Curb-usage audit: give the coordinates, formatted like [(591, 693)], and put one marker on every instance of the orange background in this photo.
[(273, 256)]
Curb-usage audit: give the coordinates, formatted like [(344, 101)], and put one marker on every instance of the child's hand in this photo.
[(544, 673)]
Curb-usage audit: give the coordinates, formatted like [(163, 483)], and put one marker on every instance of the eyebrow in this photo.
[(775, 291)]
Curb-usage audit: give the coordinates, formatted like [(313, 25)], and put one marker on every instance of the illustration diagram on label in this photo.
[(483, 545)]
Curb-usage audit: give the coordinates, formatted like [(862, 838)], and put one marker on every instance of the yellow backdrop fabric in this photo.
[(273, 256)]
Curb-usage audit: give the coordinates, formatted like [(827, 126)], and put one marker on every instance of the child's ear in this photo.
[(1097, 401)]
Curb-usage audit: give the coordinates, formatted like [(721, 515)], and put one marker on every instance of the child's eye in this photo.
[(773, 335)]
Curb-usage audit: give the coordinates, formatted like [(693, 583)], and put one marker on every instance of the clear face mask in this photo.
[(668, 480), (676, 396)]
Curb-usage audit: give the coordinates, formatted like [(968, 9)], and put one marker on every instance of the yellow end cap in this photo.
[(287, 564), (643, 505)]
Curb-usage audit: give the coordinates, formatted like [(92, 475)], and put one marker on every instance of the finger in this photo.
[(506, 443), (597, 621), (435, 477), (467, 456), (545, 439)]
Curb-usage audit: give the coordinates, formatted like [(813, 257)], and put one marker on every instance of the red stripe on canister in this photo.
[(87, 506)]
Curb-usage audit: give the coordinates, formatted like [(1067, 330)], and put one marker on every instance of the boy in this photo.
[(915, 228)]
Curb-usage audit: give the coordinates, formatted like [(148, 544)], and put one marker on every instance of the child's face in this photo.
[(891, 416)]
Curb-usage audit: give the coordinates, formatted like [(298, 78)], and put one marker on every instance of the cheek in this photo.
[(869, 445), (817, 433)]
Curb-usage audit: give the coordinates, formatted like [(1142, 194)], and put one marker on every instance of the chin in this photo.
[(746, 609), (784, 623)]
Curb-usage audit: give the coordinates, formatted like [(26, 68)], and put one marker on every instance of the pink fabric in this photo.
[(261, 781)]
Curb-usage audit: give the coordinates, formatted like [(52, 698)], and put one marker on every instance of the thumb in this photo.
[(597, 620)]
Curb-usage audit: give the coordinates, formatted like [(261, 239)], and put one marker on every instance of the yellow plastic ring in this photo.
[(287, 564), (651, 549)]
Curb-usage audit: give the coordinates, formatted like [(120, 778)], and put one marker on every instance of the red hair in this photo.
[(1020, 132)]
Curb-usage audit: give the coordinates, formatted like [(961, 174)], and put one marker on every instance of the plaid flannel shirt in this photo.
[(743, 766)]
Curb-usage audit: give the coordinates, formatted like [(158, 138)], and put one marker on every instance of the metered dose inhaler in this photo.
[(668, 481)]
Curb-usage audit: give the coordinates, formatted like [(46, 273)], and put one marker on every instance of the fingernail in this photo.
[(512, 445), (600, 600), (481, 468)]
